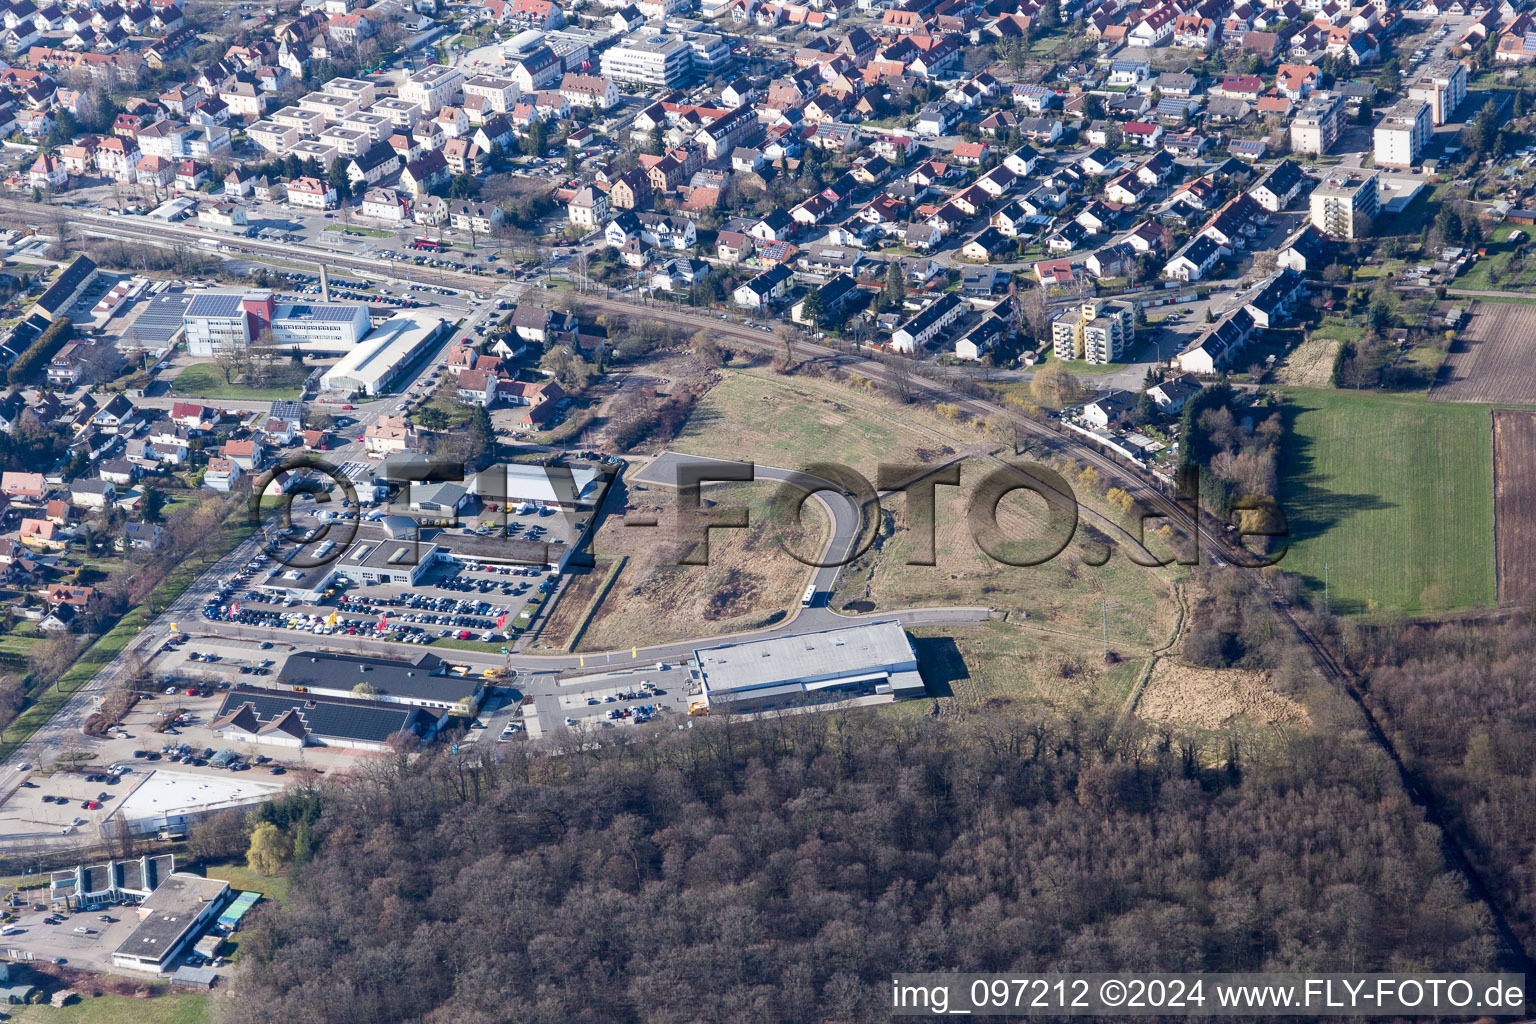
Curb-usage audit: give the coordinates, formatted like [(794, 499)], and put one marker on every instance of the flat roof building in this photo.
[(654, 61), (1316, 126), (426, 681), (1344, 204), (169, 919), (1402, 134), (1442, 85), (172, 800), (553, 486), (809, 668), (374, 556), (217, 321)]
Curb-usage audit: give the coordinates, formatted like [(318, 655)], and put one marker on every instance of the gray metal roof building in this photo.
[(169, 918), (425, 681), (66, 288), (809, 668), (327, 721)]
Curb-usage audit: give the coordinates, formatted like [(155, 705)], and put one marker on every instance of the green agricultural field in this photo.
[(1394, 494)]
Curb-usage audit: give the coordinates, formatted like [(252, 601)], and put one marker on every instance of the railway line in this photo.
[(1207, 532)]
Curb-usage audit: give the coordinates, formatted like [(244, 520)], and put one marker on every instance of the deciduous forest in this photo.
[(783, 870), (1459, 702)]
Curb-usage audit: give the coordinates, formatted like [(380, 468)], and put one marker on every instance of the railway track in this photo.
[(1209, 540)]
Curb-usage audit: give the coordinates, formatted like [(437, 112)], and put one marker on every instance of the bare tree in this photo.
[(1032, 312), (898, 372)]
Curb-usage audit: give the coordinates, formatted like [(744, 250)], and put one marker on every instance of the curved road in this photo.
[(63, 730), (1207, 531)]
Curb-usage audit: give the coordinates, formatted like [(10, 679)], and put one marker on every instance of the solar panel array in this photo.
[(215, 304), (161, 318), (325, 314)]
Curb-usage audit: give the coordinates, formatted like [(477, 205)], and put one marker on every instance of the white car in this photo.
[(24, 767)]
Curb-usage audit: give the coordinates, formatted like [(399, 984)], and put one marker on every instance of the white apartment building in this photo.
[(711, 52), (377, 127), (498, 94), (313, 149), (352, 88), (346, 141), (403, 113), (657, 61), (308, 122), (1344, 204), (1316, 126), (1402, 133), (1443, 86), (433, 88), (332, 108)]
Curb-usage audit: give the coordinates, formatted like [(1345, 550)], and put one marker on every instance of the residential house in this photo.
[(928, 324), (763, 290)]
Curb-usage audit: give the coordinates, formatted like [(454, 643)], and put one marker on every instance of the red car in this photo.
[(347, 408), (464, 634)]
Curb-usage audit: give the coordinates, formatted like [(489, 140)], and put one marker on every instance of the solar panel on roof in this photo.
[(332, 313), (214, 304)]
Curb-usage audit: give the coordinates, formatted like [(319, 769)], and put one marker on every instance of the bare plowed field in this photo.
[(1494, 359), (1514, 502)]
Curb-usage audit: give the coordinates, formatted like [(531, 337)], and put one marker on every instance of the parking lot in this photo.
[(84, 939), (611, 695), (472, 601), (475, 595), (64, 803)]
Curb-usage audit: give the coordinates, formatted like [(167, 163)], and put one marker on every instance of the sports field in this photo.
[(1394, 494)]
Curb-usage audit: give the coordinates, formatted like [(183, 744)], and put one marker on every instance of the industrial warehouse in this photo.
[(869, 659), (373, 365)]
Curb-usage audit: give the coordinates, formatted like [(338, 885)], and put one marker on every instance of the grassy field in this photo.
[(243, 879), (369, 232), (181, 1008), (789, 423), (1063, 593), (1491, 272), (1309, 364), (204, 380), (1394, 494), (975, 664), (750, 580), (19, 646)]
